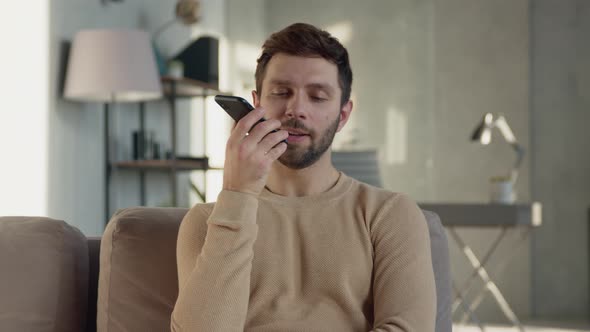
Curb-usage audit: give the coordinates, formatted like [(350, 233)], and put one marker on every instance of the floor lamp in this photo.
[(111, 66)]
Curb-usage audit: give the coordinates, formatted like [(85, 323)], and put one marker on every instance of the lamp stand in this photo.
[(107, 174)]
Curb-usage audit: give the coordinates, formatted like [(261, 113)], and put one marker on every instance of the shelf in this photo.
[(173, 88), (166, 164), (188, 88)]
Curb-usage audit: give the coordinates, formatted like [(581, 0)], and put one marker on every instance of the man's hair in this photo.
[(301, 39)]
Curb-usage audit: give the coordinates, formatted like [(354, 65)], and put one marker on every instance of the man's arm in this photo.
[(403, 280), (214, 254), (214, 272)]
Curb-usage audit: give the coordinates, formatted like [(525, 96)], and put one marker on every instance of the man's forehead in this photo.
[(285, 69)]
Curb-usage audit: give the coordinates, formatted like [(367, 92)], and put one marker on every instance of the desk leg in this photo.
[(466, 309), (469, 253), (484, 276), (499, 270)]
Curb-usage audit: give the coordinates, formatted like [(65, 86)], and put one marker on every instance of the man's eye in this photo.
[(318, 99), (279, 93)]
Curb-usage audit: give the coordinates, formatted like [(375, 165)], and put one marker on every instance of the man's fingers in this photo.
[(245, 124), (263, 129), (272, 139), (274, 153)]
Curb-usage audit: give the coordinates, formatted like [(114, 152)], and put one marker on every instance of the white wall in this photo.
[(24, 112)]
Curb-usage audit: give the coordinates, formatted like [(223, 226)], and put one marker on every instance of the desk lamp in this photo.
[(483, 135)]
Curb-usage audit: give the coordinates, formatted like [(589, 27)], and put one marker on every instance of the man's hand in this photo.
[(249, 154)]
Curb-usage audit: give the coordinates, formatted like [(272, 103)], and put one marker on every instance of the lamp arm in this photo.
[(520, 152), (508, 135), (505, 129)]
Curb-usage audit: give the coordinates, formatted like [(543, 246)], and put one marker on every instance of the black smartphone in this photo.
[(236, 107)]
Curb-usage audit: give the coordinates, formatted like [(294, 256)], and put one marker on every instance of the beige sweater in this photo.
[(354, 258)]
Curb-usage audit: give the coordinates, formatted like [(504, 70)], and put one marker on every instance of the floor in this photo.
[(529, 327)]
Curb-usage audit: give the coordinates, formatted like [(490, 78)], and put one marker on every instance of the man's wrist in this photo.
[(235, 207)]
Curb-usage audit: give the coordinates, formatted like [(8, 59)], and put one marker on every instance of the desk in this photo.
[(503, 216)]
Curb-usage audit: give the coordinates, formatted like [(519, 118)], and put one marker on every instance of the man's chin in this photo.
[(298, 161)]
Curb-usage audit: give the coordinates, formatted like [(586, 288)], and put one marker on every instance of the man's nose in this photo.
[(296, 107)]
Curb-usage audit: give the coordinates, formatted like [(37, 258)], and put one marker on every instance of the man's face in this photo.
[(304, 94)]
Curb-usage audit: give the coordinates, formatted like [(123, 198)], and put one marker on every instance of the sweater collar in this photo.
[(342, 185)]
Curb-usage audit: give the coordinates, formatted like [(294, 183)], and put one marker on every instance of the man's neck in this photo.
[(315, 179)]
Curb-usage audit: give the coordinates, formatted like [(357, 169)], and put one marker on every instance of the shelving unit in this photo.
[(174, 89)]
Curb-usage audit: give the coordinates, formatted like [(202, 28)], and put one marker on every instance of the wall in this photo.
[(560, 100), (24, 114), (425, 73), (481, 57)]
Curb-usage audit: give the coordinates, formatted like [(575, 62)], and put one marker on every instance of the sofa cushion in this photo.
[(442, 272), (44, 275), (138, 283)]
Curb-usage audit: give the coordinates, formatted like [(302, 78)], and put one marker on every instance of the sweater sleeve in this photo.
[(214, 257), (403, 278)]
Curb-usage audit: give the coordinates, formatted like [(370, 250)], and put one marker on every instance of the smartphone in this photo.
[(236, 107)]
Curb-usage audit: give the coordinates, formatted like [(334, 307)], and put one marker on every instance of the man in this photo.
[(291, 243)]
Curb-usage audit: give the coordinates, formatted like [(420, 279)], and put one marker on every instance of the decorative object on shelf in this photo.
[(111, 66), (187, 12), (502, 188), (165, 158), (145, 146), (201, 60)]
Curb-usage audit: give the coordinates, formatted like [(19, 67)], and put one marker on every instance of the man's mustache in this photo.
[(296, 124)]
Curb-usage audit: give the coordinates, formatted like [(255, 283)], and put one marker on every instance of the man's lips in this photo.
[(295, 135), (295, 132)]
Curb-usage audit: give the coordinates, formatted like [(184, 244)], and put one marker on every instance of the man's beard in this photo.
[(296, 159)]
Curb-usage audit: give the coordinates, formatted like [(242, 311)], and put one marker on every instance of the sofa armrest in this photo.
[(44, 275)]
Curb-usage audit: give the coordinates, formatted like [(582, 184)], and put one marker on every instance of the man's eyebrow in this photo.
[(319, 86), (279, 82)]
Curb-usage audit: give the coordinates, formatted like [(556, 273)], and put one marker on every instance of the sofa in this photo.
[(53, 278)]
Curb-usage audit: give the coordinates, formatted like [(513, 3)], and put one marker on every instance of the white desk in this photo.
[(504, 216)]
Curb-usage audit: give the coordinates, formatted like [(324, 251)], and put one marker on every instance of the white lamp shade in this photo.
[(112, 66)]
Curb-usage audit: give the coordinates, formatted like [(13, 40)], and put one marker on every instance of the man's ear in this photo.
[(255, 98), (345, 111)]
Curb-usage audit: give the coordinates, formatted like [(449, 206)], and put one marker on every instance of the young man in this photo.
[(291, 243)]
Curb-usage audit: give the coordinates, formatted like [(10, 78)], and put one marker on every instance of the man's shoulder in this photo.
[(380, 201), (363, 191)]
